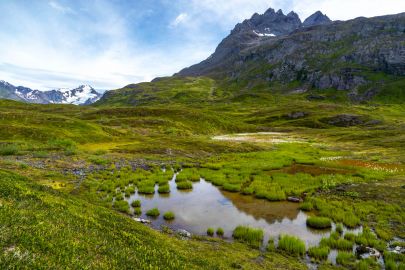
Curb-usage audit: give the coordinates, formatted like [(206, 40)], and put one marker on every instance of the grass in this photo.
[(318, 253), (319, 222), (169, 216), (292, 245), (339, 244), (122, 206), (185, 185), (251, 236), (94, 237), (210, 231), (345, 258), (146, 190), (154, 212), (220, 232), (8, 149), (137, 211), (136, 203), (307, 206), (164, 189), (127, 144)]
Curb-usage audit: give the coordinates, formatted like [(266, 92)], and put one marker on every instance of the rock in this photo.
[(294, 199), (344, 120), (296, 115), (367, 252), (184, 233), (316, 97), (143, 221), (316, 19)]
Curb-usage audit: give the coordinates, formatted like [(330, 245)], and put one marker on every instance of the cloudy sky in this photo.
[(47, 44)]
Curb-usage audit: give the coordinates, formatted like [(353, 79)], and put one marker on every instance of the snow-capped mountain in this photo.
[(82, 95)]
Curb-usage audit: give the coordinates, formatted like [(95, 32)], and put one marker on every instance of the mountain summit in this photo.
[(82, 95), (316, 19), (252, 32), (316, 54)]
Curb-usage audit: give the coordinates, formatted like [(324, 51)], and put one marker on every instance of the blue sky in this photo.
[(47, 44)]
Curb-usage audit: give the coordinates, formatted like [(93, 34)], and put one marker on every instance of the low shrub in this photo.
[(168, 216), (292, 245), (154, 212), (319, 222), (210, 231), (251, 236)]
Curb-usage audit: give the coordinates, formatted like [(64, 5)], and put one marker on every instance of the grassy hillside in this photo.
[(61, 166)]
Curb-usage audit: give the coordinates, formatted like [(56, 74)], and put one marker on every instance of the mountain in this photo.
[(82, 95), (316, 19), (355, 55)]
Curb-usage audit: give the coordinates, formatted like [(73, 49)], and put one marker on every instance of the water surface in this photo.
[(207, 206)]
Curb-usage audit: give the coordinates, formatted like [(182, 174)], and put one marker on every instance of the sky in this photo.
[(49, 44)]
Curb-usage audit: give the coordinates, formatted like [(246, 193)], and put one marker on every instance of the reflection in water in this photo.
[(206, 206)]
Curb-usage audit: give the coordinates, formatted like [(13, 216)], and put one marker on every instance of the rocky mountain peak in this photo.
[(316, 19)]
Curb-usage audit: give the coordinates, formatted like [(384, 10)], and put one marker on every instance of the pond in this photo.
[(207, 206)]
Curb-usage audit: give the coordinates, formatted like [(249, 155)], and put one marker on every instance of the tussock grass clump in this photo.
[(231, 187), (368, 238), (220, 232), (122, 206), (146, 189), (307, 206), (319, 253), (137, 211), (184, 185), (350, 236), (168, 215), (345, 258), (164, 189), (154, 212), (270, 245), (136, 203), (319, 222), (210, 231), (339, 228), (292, 245), (339, 244), (248, 235), (8, 149)]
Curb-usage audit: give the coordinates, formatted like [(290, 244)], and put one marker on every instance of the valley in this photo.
[(283, 150)]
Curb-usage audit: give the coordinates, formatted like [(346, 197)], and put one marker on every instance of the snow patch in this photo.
[(264, 34)]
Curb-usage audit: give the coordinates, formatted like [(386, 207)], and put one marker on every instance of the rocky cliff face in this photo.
[(318, 53)]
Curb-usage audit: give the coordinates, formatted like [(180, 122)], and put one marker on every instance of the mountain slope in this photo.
[(354, 55), (82, 95)]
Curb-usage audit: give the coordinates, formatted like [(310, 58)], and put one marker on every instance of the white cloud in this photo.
[(181, 18), (60, 8)]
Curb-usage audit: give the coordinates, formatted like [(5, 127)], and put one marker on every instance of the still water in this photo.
[(207, 206)]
